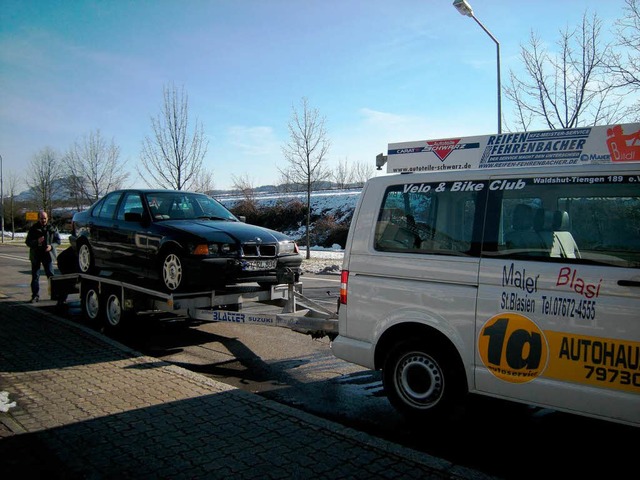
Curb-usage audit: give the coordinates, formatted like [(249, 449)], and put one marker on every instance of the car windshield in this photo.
[(182, 205)]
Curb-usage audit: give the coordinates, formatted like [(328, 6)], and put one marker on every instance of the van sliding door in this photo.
[(557, 318)]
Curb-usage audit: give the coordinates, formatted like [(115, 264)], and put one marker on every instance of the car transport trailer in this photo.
[(111, 301)]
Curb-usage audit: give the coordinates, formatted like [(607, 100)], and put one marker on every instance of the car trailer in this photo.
[(112, 302)]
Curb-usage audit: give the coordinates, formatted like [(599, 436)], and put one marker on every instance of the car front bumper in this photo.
[(211, 272)]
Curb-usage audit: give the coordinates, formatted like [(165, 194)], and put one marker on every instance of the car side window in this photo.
[(132, 203), (108, 207)]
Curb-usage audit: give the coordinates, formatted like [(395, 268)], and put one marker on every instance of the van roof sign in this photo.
[(575, 146)]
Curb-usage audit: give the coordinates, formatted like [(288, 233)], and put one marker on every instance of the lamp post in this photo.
[(465, 9)]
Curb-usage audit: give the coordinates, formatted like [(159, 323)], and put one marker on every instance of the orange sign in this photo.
[(31, 216)]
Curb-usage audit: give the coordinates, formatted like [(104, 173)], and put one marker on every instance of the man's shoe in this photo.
[(35, 299)]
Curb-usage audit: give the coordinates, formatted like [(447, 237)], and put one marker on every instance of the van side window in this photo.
[(427, 219), (520, 222), (576, 220)]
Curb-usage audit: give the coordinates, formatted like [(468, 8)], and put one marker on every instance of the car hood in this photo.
[(216, 230)]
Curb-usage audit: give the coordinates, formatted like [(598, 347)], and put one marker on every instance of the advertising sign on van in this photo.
[(601, 144)]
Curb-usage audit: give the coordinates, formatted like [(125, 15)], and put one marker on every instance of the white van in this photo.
[(504, 265)]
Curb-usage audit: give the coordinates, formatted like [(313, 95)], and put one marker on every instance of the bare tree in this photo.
[(246, 186), (248, 206), (285, 183), (565, 89), (44, 180), (624, 67), (93, 168), (306, 153), (203, 182), (342, 174), (361, 172), (172, 157)]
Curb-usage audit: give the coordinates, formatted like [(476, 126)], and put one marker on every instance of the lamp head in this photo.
[(463, 7), (381, 159)]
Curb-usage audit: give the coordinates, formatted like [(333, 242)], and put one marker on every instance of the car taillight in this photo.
[(344, 278)]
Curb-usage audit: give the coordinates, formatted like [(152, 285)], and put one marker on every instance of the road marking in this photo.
[(14, 257)]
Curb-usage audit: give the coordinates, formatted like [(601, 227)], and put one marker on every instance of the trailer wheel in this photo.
[(113, 313), (423, 381), (172, 272), (90, 303), (86, 262)]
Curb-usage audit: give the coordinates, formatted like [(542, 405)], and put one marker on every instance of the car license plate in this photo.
[(259, 265)]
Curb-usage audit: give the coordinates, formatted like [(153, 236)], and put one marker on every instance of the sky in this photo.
[(378, 71)]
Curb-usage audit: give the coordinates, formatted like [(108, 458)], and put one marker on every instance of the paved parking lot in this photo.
[(88, 407)]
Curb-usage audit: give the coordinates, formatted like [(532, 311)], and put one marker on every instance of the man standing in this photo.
[(42, 240)]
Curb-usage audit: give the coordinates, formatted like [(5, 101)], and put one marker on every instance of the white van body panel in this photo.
[(559, 330), (556, 313)]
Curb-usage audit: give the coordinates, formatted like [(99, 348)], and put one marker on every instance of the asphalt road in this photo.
[(493, 436)]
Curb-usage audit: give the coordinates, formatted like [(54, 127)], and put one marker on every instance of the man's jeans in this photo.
[(47, 264)]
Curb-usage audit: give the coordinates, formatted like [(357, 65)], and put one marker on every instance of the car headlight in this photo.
[(287, 246), (213, 249)]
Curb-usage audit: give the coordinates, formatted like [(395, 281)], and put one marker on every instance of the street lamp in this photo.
[(465, 9)]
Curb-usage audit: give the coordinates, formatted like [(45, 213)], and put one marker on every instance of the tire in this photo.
[(91, 303), (423, 381), (172, 272), (86, 261), (113, 312)]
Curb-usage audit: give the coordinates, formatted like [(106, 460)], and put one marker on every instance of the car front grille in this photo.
[(253, 250)]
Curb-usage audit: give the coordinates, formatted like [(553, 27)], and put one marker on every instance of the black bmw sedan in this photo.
[(184, 240)]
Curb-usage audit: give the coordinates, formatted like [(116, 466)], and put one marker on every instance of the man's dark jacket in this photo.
[(51, 237)]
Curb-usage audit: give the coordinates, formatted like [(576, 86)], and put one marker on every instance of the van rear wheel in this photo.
[(422, 381)]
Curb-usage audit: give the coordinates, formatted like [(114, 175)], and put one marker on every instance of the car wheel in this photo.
[(421, 381), (90, 303), (172, 273), (86, 262), (113, 313)]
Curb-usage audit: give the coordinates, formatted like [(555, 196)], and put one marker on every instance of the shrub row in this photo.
[(326, 229)]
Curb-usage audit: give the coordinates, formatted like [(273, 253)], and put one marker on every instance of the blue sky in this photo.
[(379, 71)]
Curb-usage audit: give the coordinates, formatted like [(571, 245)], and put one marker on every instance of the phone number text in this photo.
[(568, 307)]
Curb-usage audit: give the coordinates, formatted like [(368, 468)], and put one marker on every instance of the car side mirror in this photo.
[(133, 217), (242, 218)]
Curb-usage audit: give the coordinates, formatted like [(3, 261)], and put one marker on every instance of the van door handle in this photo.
[(629, 283)]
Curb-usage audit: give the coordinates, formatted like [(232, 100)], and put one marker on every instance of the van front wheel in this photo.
[(422, 381)]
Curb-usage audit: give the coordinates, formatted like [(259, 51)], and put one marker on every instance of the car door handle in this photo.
[(629, 283)]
